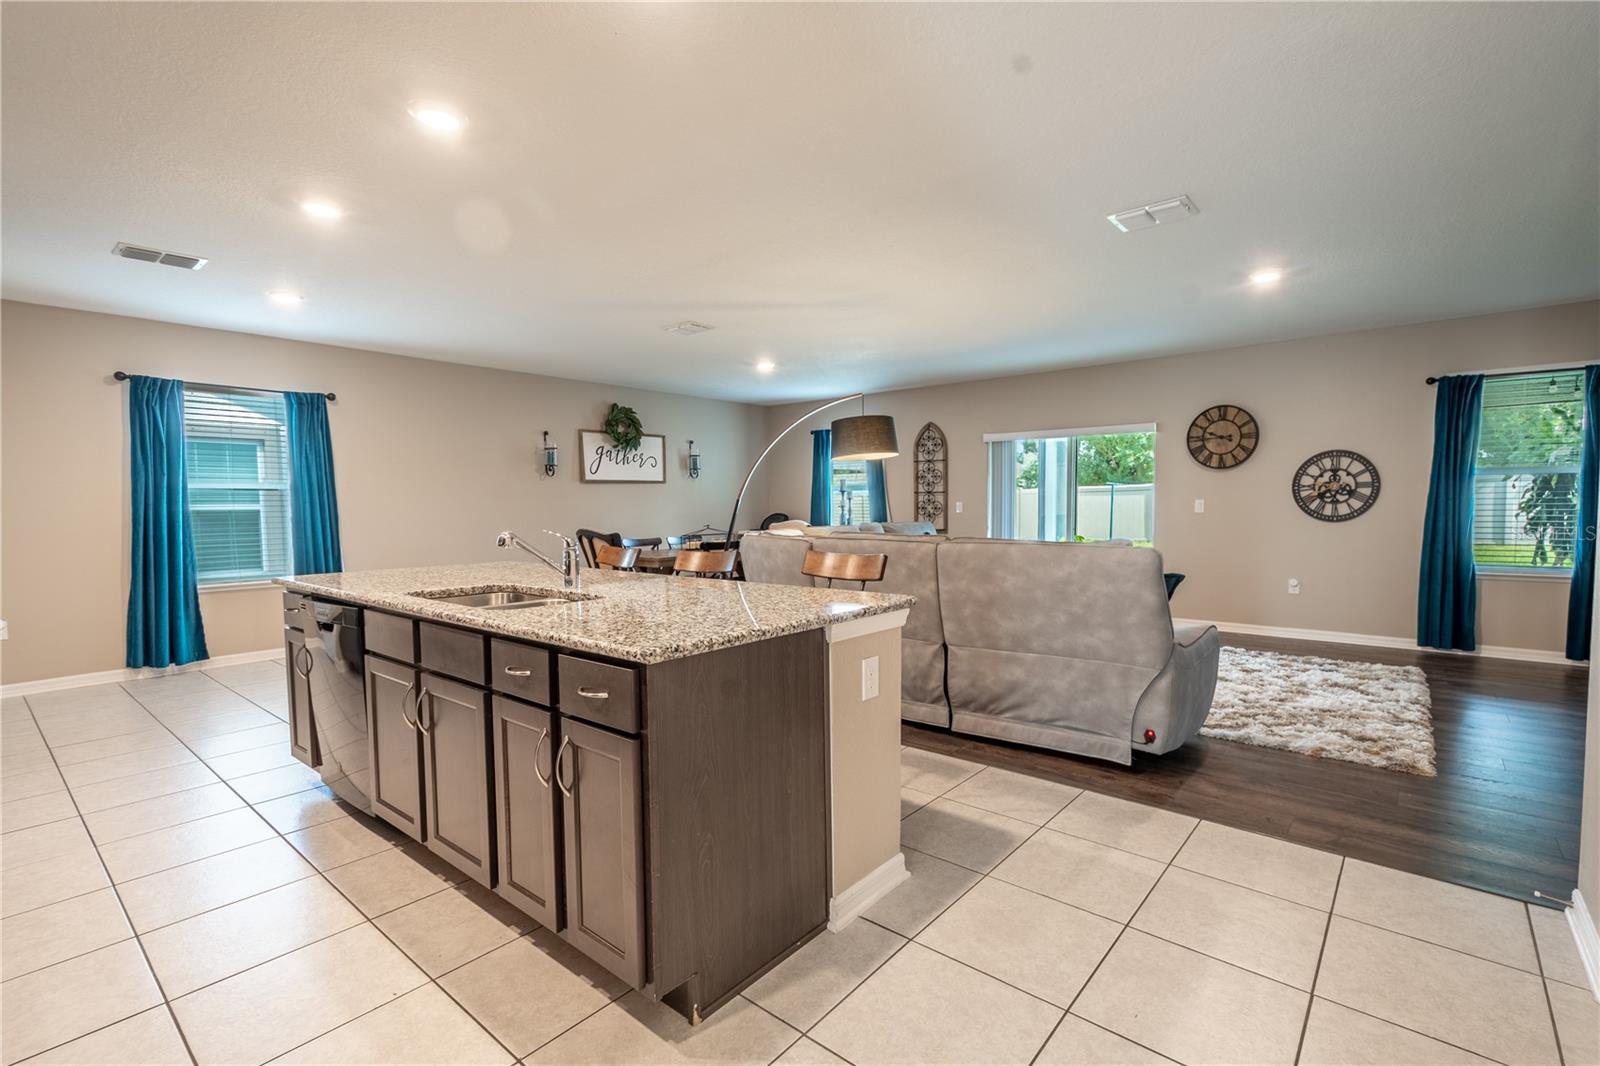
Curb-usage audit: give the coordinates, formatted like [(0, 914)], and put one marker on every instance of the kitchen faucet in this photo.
[(567, 568)]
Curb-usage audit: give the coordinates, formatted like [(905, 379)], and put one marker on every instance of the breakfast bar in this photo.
[(685, 778)]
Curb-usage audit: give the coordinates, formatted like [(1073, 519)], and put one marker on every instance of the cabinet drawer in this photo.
[(600, 692), (453, 652), (520, 670), (390, 635), (296, 611)]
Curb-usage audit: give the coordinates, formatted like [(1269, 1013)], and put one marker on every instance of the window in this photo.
[(1525, 514), (849, 505), (237, 448), (1096, 484)]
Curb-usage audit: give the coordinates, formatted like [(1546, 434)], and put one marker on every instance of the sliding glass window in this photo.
[(1073, 485)]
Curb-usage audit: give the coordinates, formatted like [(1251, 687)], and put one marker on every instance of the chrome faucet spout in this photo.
[(567, 567)]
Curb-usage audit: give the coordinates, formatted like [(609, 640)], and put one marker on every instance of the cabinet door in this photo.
[(599, 779), (525, 808), (394, 746), (302, 733), (454, 719)]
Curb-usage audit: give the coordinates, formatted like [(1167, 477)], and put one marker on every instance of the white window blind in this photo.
[(1530, 440), (237, 448)]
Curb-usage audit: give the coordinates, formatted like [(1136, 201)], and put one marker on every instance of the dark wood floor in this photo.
[(1502, 815)]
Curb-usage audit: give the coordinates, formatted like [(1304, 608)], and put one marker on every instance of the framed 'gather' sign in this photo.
[(602, 460)]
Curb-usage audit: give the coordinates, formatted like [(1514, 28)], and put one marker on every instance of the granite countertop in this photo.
[(643, 618)]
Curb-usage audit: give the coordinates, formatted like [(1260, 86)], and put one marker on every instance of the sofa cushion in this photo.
[(774, 558), (911, 529)]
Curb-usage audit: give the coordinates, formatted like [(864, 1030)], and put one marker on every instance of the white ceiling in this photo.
[(873, 195)]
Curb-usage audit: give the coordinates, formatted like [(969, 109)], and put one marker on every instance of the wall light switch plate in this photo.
[(958, 506), (869, 678), (1199, 507), (1294, 586)]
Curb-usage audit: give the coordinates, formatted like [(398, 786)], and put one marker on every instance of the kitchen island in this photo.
[(685, 778)]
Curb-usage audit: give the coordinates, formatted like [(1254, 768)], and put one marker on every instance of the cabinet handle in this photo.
[(305, 673), (422, 695), (565, 788), (544, 734), (518, 671), (593, 693), (411, 723)]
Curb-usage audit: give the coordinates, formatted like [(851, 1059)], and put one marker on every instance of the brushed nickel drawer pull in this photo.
[(538, 745), (555, 769), (518, 671), (593, 693)]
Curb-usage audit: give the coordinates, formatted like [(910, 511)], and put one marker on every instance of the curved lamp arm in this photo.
[(732, 518)]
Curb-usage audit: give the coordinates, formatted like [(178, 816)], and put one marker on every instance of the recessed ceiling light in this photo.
[(765, 365), (438, 117), (325, 210), (286, 298), (1266, 277)]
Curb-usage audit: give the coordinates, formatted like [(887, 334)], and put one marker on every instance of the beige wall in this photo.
[(432, 459), (1363, 391)]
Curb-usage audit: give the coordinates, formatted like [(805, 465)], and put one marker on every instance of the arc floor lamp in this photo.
[(860, 436)]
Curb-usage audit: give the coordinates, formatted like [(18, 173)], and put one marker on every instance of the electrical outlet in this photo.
[(869, 678), (1294, 586), (958, 507), (1199, 507)]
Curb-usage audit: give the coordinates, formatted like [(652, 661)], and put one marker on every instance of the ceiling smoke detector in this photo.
[(156, 255), (686, 328), (1174, 210)]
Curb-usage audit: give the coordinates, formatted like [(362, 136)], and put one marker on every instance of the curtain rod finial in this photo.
[(1433, 381), (120, 375)]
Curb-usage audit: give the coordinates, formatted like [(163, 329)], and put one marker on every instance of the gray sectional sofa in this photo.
[(1062, 646)]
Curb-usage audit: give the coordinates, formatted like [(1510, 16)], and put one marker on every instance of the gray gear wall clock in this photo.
[(930, 476), (1336, 485)]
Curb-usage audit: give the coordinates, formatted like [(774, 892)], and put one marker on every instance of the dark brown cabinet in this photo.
[(454, 720), (394, 746), (302, 734), (525, 809), (598, 775)]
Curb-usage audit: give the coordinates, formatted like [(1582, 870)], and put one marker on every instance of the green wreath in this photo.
[(622, 425)]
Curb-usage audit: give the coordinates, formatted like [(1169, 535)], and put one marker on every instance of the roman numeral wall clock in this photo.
[(1336, 485), (1223, 436)]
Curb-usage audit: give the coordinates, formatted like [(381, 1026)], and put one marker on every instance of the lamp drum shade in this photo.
[(864, 437)]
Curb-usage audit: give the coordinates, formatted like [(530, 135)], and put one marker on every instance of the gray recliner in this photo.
[(1063, 646)]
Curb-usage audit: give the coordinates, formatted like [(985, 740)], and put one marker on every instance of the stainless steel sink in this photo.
[(501, 599)]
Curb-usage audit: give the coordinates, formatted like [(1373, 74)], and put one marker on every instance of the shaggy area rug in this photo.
[(1364, 713)]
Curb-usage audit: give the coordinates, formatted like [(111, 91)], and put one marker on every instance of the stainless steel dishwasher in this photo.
[(333, 672)]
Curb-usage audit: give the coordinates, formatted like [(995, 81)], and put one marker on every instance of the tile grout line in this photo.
[(381, 932), (143, 954), (1113, 947), (1316, 971), (1544, 986)]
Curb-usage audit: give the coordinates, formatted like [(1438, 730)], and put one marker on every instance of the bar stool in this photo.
[(845, 566), (608, 557), (706, 564)]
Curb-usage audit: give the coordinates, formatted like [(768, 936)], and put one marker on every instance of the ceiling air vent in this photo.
[(156, 255), (687, 328), (1165, 211)]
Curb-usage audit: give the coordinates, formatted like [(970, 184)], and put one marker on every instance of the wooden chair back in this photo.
[(614, 558), (844, 566), (706, 564)]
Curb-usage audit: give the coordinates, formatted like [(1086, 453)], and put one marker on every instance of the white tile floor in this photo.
[(175, 889)]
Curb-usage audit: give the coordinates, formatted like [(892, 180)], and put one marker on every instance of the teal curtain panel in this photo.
[(313, 503), (1580, 600), (1447, 591), (164, 625), (877, 494), (821, 475)]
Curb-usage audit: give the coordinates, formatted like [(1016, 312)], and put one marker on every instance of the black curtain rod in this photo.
[(1519, 371), (122, 375)]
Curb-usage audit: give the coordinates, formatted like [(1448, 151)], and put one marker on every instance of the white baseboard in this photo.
[(1373, 640), (109, 677), (1588, 938), (850, 904)]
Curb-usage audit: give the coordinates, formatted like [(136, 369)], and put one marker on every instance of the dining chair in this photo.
[(641, 542), (706, 564), (776, 516), (590, 539), (844, 566), (610, 557)]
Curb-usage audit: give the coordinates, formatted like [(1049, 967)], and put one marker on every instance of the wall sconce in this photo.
[(694, 461), (551, 457)]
